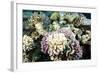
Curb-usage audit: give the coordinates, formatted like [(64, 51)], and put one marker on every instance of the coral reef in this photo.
[(56, 35)]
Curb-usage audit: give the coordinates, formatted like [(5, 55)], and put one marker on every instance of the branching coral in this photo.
[(27, 46), (37, 22), (27, 43)]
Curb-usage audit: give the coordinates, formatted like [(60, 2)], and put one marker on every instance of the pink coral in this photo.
[(72, 43)]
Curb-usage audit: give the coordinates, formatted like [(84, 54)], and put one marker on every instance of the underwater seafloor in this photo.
[(55, 36)]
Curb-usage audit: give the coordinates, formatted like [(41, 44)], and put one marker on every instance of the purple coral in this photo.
[(72, 43)]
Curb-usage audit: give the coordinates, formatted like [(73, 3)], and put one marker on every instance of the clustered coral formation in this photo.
[(59, 43), (53, 36)]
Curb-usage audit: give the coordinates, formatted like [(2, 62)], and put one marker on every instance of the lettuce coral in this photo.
[(55, 43)]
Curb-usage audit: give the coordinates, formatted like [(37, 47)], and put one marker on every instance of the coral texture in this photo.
[(56, 35)]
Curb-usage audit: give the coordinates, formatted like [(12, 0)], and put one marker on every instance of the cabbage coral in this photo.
[(55, 44)]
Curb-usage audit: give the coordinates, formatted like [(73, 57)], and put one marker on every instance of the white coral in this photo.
[(86, 37), (56, 42), (39, 28), (27, 42)]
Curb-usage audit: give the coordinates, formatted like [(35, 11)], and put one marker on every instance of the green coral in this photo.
[(71, 16), (54, 26), (55, 16)]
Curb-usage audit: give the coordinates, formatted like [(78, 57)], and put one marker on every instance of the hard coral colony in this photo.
[(56, 35)]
